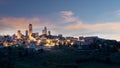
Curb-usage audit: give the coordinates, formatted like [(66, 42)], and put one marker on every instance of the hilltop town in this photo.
[(36, 40), (55, 50)]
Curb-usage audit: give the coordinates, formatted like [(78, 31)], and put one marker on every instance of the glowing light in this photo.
[(32, 38), (5, 44), (52, 44), (72, 43), (19, 35), (68, 40), (38, 42), (49, 43)]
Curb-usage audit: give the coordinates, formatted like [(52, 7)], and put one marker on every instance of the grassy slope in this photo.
[(58, 58)]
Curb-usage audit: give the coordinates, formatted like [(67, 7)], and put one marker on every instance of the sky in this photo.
[(68, 17)]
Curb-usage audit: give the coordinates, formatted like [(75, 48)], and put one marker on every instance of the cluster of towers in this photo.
[(44, 32), (29, 32)]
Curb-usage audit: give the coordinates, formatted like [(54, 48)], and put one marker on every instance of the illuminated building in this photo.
[(5, 44), (19, 35), (30, 30), (44, 31), (30, 33), (49, 43), (26, 32)]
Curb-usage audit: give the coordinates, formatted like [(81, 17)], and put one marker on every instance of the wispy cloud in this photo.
[(68, 16), (14, 24), (109, 30), (106, 26), (117, 12), (98, 26)]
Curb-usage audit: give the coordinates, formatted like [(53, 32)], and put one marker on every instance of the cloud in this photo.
[(13, 24), (107, 26), (80, 25), (110, 30), (75, 26), (21, 23), (16, 23), (68, 16), (115, 36), (117, 12)]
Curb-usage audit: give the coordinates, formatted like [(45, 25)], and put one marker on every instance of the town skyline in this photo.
[(70, 18), (44, 31)]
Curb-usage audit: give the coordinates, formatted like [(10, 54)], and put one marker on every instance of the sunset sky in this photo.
[(68, 17)]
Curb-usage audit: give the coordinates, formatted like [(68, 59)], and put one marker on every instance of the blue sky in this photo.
[(68, 17)]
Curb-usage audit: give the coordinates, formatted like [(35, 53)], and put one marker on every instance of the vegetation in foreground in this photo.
[(64, 57)]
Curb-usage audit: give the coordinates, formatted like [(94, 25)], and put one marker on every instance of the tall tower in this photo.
[(49, 33), (30, 30), (45, 29), (26, 32), (19, 35)]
